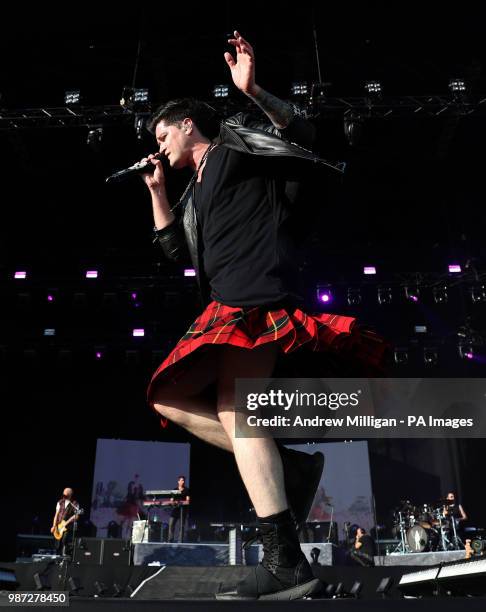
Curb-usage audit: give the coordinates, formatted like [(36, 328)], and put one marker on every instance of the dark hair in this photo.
[(175, 111), (179, 477)]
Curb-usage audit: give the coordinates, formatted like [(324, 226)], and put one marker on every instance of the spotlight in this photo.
[(139, 123), (95, 135), (339, 592), (356, 589), (440, 294), (454, 269), (400, 355), (189, 272), (49, 332), (420, 329), (72, 97), (466, 351), (478, 293), (330, 590), (368, 270), (412, 293), (431, 356), (352, 128), (117, 590), (324, 294), (91, 274), (354, 296), (132, 97), (385, 295), (50, 298), (299, 89), (384, 586), (20, 274), (100, 588), (457, 87), (220, 91), (74, 585), (373, 90), (138, 332), (41, 582)]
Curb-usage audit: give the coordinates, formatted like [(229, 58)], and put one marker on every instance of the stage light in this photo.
[(385, 295), (455, 269), (138, 332), (478, 293), (373, 89), (132, 97), (139, 125), (457, 87), (354, 296), (330, 590), (41, 582), (91, 274), (189, 272), (100, 588), (356, 589), (339, 592), (117, 590), (299, 89), (50, 297), (368, 270), (98, 355), (466, 351), (420, 329), (74, 585), (324, 294), (95, 135), (431, 356), (440, 294), (72, 97), (400, 355), (384, 586), (412, 293), (220, 91), (21, 274), (49, 331)]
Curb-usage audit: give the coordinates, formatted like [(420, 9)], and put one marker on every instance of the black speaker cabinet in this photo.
[(116, 552), (88, 551)]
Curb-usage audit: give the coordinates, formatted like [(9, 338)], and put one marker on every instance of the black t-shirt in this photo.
[(249, 253), (176, 511)]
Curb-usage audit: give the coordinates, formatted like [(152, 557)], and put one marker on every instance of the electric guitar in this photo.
[(60, 528)]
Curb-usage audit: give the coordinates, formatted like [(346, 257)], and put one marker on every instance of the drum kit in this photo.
[(425, 528)]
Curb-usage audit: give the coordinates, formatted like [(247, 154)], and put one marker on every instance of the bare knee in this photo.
[(170, 412)]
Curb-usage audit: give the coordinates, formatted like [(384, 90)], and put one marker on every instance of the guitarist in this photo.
[(66, 510)]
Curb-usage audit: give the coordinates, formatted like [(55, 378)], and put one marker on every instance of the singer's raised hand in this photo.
[(155, 181), (243, 69)]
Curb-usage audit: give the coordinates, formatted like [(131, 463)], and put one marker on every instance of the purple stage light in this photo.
[(91, 273), (138, 332), (20, 274), (455, 269), (189, 272), (98, 354), (469, 356), (324, 294), (369, 270), (50, 298), (133, 296)]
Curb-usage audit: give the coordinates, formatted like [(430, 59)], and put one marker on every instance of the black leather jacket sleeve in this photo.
[(173, 242)]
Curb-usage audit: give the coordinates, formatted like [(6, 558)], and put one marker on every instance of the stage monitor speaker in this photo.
[(88, 551), (116, 552)]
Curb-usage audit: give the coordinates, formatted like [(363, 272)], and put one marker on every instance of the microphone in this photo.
[(138, 168)]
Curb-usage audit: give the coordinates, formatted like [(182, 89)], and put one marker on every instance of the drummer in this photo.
[(453, 509)]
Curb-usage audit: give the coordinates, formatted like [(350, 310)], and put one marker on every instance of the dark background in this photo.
[(411, 203)]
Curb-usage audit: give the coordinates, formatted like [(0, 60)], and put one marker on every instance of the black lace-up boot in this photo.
[(284, 572)]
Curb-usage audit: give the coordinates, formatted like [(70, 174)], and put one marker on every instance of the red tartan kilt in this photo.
[(337, 337)]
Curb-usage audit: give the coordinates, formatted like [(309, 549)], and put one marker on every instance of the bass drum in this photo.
[(417, 538)]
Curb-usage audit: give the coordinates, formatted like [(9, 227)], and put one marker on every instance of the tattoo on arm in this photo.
[(279, 112)]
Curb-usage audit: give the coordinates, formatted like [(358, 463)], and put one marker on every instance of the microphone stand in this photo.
[(330, 524)]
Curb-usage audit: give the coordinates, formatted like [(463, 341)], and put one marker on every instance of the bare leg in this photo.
[(186, 404), (258, 459)]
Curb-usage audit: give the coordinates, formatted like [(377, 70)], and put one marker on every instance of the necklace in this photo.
[(192, 181)]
